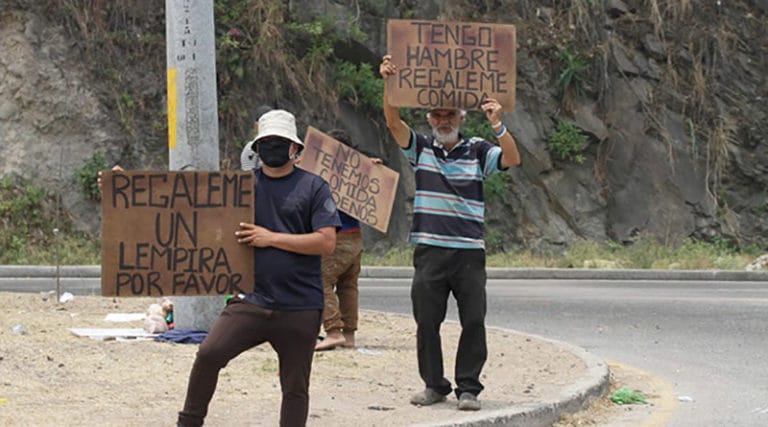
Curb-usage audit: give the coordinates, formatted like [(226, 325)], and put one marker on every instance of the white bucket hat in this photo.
[(278, 123), (249, 160)]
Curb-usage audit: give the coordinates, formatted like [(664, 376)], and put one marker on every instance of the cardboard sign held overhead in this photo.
[(173, 233), (361, 189), (451, 64)]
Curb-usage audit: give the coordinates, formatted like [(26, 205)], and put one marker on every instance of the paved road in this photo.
[(706, 338), (702, 331)]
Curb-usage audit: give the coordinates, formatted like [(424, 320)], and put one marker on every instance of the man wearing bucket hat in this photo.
[(448, 229), (249, 160), (295, 225)]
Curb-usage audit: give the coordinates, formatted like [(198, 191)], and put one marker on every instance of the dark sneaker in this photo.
[(427, 397), (468, 402)]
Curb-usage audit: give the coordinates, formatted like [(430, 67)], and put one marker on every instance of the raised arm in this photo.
[(115, 168), (397, 127), (509, 154)]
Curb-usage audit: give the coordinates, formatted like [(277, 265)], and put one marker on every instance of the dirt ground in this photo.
[(602, 412), (50, 377)]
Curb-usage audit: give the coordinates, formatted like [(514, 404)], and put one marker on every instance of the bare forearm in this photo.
[(509, 154), (320, 242), (397, 127)]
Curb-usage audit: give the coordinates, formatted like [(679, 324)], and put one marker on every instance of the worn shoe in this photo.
[(468, 402), (427, 397)]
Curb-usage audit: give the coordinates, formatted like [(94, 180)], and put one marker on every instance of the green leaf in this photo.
[(625, 396)]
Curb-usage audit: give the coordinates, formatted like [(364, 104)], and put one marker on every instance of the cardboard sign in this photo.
[(361, 189), (451, 64), (173, 233)]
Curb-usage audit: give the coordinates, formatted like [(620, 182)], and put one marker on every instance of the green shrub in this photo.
[(86, 176), (21, 205), (567, 141), (356, 33), (27, 229), (359, 85), (574, 73), (322, 36)]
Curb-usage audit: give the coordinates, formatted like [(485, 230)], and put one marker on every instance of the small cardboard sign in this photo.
[(173, 233), (453, 65), (361, 189)]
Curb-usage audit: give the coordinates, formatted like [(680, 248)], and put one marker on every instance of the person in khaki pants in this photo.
[(340, 272)]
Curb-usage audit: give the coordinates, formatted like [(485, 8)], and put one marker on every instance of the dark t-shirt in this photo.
[(298, 203), (348, 223)]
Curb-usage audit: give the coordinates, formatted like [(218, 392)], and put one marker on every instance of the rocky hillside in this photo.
[(634, 117)]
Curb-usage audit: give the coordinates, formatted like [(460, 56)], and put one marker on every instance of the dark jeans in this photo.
[(242, 326), (438, 272)]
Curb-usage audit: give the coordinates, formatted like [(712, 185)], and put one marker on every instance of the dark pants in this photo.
[(438, 272), (241, 326)]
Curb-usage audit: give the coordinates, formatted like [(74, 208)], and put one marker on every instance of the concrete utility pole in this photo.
[(193, 126)]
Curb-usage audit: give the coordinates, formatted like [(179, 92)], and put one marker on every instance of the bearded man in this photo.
[(448, 229)]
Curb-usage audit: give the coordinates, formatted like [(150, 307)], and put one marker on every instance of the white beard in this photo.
[(446, 138)]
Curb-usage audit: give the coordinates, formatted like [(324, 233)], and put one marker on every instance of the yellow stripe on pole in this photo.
[(172, 104)]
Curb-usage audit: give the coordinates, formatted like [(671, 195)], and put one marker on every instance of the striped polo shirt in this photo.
[(449, 207)]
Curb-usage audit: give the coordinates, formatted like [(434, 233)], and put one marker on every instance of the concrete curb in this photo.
[(77, 279), (49, 271), (585, 274), (571, 399), (86, 279), (94, 271)]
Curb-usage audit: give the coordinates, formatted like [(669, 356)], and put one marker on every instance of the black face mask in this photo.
[(274, 152)]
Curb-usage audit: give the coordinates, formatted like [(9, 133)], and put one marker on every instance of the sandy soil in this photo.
[(50, 377)]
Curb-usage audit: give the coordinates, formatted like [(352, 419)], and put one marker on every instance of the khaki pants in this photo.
[(340, 272)]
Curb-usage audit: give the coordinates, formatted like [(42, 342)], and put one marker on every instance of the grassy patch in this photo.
[(74, 249), (27, 229), (645, 253), (398, 256)]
